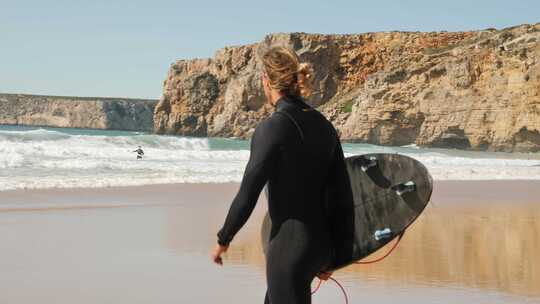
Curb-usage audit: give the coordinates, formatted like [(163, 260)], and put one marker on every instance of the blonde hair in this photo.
[(285, 72)]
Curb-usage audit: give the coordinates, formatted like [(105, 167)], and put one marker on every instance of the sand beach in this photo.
[(477, 242)]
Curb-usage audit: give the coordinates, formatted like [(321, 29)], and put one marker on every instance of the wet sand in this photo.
[(477, 242)]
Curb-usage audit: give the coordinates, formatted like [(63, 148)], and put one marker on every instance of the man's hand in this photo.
[(323, 275), (218, 251)]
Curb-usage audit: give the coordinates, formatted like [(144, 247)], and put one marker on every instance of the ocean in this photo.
[(40, 158)]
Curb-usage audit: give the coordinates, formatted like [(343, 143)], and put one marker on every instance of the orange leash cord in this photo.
[(387, 254), (317, 288), (360, 262)]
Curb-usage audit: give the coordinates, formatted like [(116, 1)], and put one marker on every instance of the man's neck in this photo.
[(274, 97)]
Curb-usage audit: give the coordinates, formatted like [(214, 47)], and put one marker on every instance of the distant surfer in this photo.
[(297, 153), (139, 152)]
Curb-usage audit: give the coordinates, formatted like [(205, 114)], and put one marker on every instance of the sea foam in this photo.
[(59, 158)]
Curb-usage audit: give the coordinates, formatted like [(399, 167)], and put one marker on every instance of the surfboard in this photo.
[(390, 191)]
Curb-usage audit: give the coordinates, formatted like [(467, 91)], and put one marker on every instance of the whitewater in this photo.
[(41, 158)]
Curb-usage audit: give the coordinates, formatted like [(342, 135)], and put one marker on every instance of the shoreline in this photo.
[(444, 192)]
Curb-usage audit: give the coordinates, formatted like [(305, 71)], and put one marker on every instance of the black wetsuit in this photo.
[(140, 153), (297, 153)]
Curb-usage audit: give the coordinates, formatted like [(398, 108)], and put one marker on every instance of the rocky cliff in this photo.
[(470, 90), (77, 112)]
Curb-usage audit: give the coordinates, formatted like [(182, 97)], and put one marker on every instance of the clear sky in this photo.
[(124, 48)]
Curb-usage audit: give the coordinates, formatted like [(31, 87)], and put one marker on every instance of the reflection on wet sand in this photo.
[(488, 247), (494, 248)]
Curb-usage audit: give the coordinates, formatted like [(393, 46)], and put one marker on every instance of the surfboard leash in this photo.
[(342, 289), (317, 287), (338, 284), (400, 236)]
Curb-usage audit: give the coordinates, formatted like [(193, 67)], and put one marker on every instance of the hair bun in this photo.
[(304, 72), (305, 69), (285, 72)]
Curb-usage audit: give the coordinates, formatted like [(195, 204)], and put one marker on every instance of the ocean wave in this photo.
[(49, 158), (32, 135), (45, 137)]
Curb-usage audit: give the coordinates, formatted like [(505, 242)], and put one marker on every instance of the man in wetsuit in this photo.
[(296, 152), (140, 152)]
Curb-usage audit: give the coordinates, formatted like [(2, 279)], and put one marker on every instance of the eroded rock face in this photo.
[(77, 112), (467, 90)]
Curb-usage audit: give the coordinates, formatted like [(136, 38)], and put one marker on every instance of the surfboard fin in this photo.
[(403, 188), (382, 234), (367, 163)]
